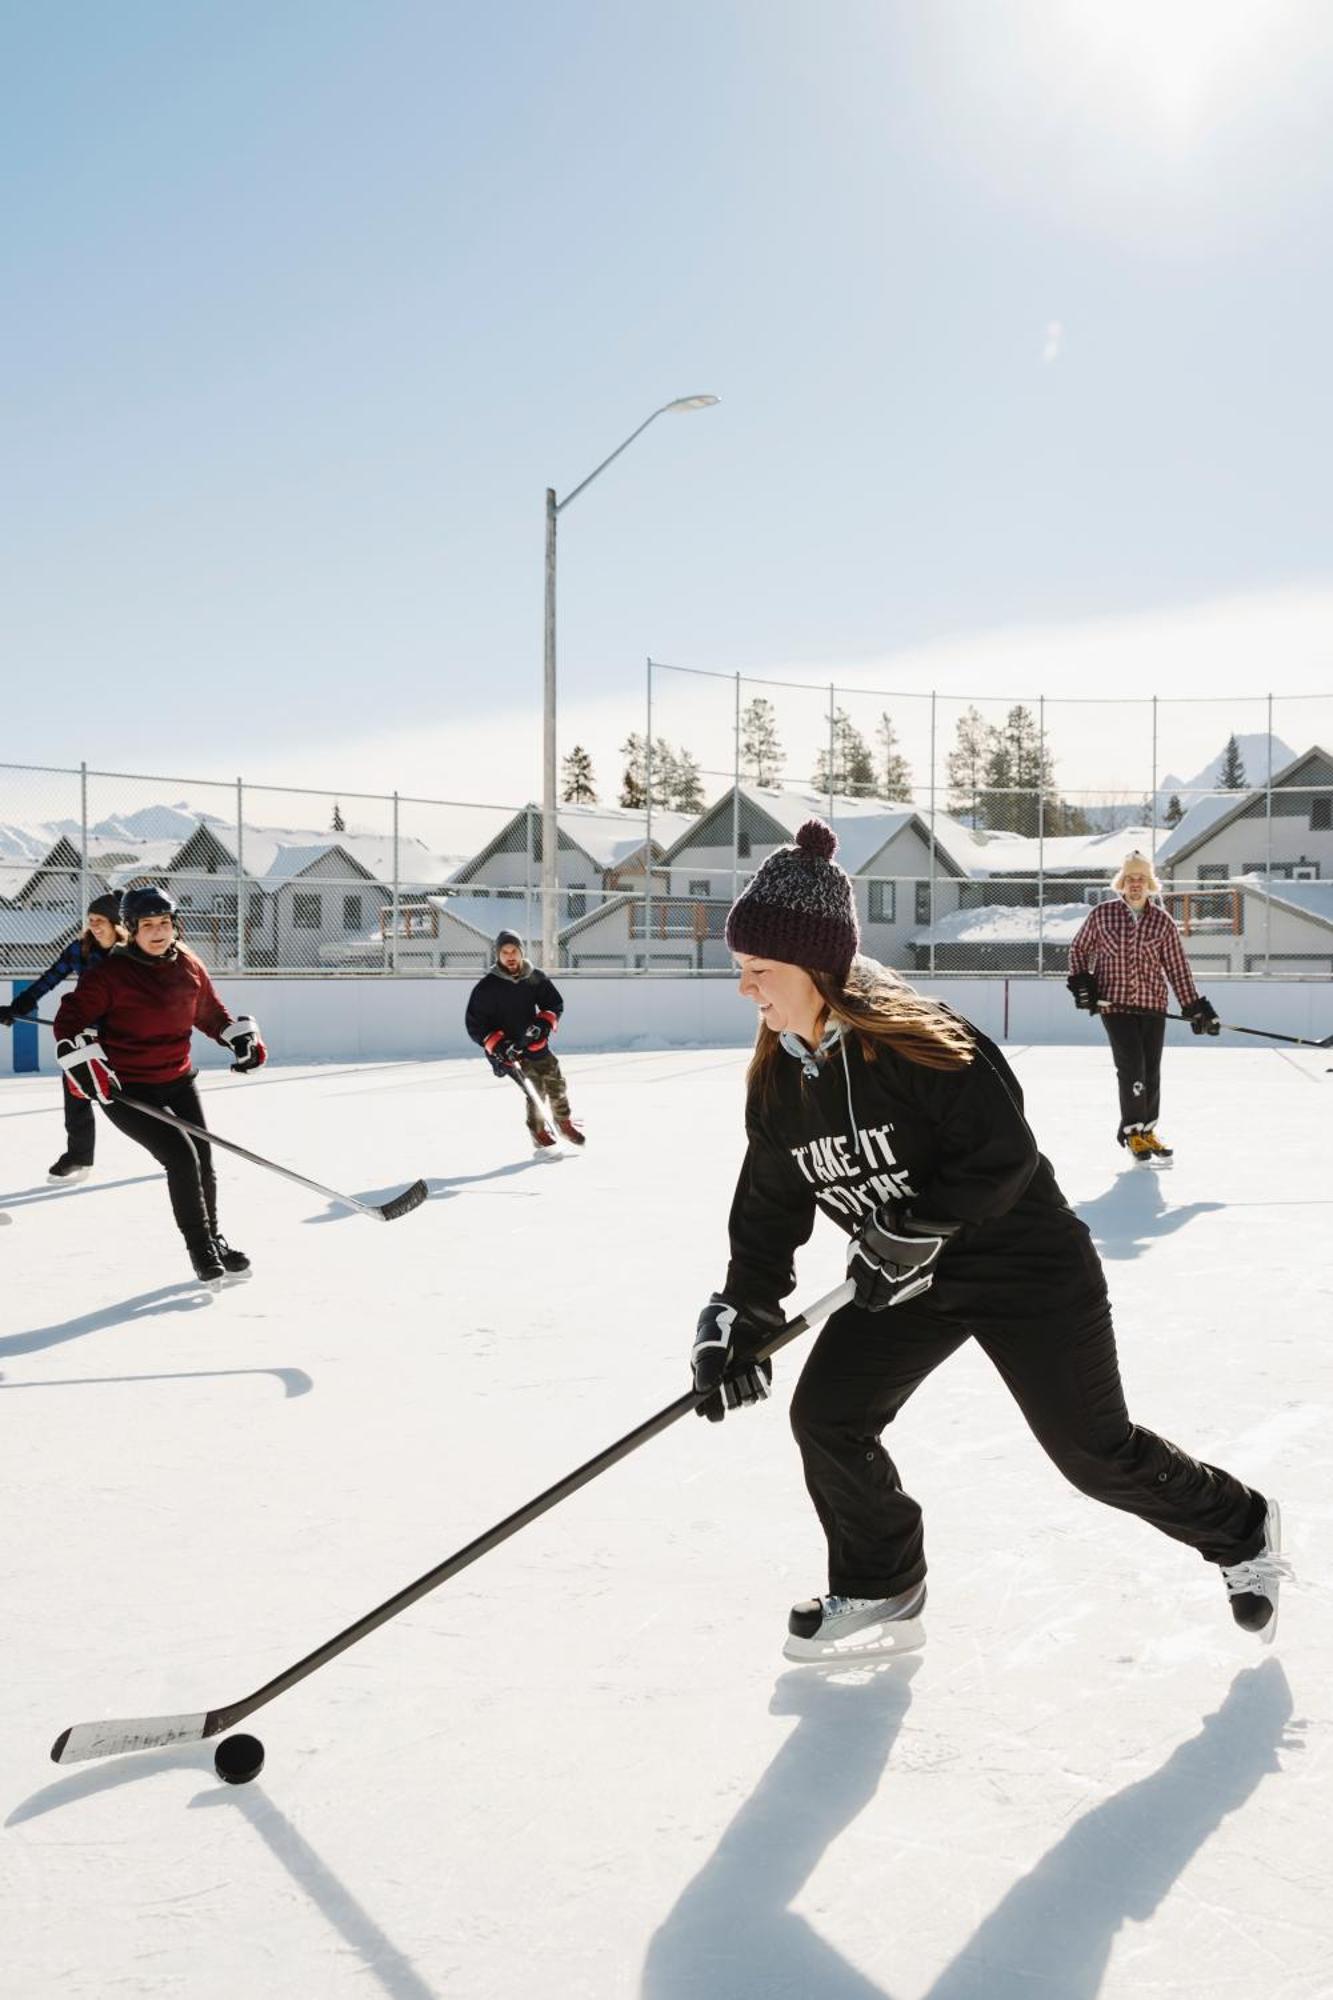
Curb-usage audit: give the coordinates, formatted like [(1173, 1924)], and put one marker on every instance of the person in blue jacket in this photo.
[(102, 932)]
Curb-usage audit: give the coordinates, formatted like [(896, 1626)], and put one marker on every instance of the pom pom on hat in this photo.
[(816, 837)]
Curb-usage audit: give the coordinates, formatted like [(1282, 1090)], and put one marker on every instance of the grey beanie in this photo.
[(799, 908), (508, 937)]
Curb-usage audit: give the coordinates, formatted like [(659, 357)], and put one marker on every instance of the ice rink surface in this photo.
[(583, 1768)]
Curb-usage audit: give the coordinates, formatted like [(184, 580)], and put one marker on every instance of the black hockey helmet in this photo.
[(136, 904)]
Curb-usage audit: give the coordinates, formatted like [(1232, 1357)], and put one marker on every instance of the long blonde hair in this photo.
[(878, 1010)]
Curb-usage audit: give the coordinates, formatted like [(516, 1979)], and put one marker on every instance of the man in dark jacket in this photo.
[(511, 1015)]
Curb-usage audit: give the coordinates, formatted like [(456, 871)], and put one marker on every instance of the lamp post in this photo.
[(554, 508)]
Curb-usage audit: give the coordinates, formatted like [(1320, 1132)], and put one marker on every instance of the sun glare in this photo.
[(1183, 59)]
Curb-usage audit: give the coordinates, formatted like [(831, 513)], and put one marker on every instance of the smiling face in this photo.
[(103, 930), (1135, 885), (155, 934), (786, 996)]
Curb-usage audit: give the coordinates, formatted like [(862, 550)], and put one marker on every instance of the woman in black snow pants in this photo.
[(905, 1124)]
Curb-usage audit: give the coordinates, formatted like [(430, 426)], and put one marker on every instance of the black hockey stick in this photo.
[(385, 1211), (1269, 1034), (152, 1732)]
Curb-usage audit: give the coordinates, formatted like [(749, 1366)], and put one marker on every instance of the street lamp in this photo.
[(554, 507)]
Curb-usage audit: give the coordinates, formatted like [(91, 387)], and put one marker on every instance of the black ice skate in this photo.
[(204, 1257), (1253, 1586), (846, 1629), (69, 1172), (235, 1264)]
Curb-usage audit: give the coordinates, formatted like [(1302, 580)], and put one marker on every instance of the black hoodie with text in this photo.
[(950, 1145)]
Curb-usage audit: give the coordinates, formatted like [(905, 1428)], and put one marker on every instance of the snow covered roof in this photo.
[(36, 927), (1005, 923), (1206, 815), (1064, 853), (1309, 899)]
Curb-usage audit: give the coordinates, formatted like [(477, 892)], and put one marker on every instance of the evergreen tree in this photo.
[(633, 785), (762, 755), (853, 771), (965, 768), (666, 773), (1232, 777), (338, 823), (1175, 812), (579, 786), (895, 778), (1020, 776), (688, 793)]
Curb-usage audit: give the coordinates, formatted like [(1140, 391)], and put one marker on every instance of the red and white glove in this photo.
[(86, 1068), (242, 1038)]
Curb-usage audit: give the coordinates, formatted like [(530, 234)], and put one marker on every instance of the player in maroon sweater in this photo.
[(127, 1027)]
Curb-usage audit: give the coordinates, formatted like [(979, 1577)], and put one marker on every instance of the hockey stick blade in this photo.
[(154, 1732), (403, 1204), (149, 1732)]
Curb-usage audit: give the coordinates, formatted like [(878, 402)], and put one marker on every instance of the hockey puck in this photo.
[(238, 1759)]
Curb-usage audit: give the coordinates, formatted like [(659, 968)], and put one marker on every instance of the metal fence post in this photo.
[(934, 701), (240, 876), (831, 733), (648, 833), (527, 873), (393, 940), (736, 796), (1041, 835), (1152, 809), (83, 840), (1268, 851)]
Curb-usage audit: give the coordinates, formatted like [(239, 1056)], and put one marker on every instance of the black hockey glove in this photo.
[(725, 1336), (90, 1074), (500, 1064), (1083, 986), (535, 1037), (7, 1017), (894, 1258), (1202, 1017)]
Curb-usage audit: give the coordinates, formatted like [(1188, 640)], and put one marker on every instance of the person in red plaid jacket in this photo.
[(1119, 965)]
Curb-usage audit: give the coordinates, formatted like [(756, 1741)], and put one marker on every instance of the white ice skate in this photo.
[(846, 1629), (1253, 1586)]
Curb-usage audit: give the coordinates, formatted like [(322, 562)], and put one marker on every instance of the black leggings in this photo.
[(80, 1126), (1136, 1046), (188, 1161), (1063, 1374)]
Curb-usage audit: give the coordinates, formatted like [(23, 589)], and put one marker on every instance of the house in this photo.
[(601, 855), (31, 938), (1235, 834)]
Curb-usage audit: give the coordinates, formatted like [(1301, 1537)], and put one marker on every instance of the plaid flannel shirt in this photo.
[(1132, 958)]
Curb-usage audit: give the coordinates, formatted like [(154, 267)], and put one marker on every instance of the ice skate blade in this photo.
[(230, 1278), (872, 1642), (71, 1179)]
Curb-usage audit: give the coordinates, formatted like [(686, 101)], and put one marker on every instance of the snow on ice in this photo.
[(582, 1768)]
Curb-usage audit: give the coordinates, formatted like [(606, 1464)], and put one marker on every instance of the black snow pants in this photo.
[(1136, 1046), (188, 1161), (80, 1126), (1063, 1373)]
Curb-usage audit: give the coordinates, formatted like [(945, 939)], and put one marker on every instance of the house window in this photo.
[(743, 845), (1321, 814), (1214, 871), (576, 902), (698, 887), (922, 903), (352, 918), (307, 910), (883, 902)]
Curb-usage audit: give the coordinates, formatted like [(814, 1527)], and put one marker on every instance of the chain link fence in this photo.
[(979, 832)]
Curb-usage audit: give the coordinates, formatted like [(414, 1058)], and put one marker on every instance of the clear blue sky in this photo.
[(1021, 316)]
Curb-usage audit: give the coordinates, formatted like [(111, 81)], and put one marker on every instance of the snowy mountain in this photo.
[(1254, 752)]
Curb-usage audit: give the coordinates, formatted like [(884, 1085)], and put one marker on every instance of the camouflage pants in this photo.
[(544, 1074)]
